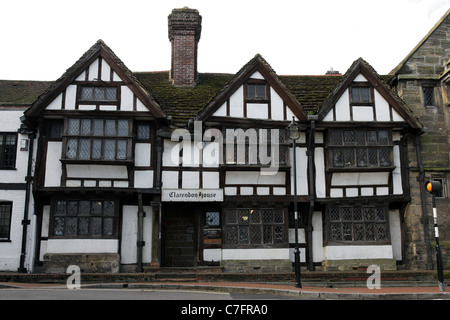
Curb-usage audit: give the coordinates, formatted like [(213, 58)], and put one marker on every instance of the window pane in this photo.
[(110, 127), (108, 226), (109, 149), (98, 127), (84, 208), (355, 94), (261, 93), (87, 93), (365, 94), (96, 208), (72, 207), (108, 209), (5, 220), (338, 158), (83, 226), (99, 94), (96, 149), (85, 149), (96, 226), (251, 91), (85, 127), (143, 131), (122, 130), (58, 226), (73, 127), (383, 138), (110, 94), (71, 225), (71, 151)]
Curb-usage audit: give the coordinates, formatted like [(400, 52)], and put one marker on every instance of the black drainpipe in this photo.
[(26, 221), (312, 190), (421, 180)]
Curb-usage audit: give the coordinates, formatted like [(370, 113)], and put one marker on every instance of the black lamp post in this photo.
[(434, 187), (294, 134)]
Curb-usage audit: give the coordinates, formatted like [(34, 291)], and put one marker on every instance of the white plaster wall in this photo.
[(212, 254), (276, 105), (358, 252), (143, 179), (302, 171), (96, 171), (126, 99), (128, 249), (258, 110), (237, 103), (82, 245), (319, 162), (169, 179), (395, 233), (142, 154), (10, 251), (343, 107), (53, 167), (397, 173), (254, 177)]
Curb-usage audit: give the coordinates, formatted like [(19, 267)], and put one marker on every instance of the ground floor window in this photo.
[(255, 227), (84, 218), (5, 220), (357, 224)]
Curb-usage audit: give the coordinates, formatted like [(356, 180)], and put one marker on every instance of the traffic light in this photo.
[(433, 187)]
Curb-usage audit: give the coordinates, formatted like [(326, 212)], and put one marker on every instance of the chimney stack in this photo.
[(185, 26)]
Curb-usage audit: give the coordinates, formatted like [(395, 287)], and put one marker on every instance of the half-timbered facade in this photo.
[(186, 169)]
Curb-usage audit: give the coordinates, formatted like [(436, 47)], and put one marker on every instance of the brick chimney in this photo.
[(185, 26)]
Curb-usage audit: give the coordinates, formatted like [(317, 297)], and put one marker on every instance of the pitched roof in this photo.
[(258, 63), (18, 93), (181, 103), (360, 66), (97, 50)]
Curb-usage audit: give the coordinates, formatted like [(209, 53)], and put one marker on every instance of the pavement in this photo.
[(411, 292)]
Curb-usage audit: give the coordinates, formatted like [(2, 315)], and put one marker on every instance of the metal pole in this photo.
[(438, 248), (297, 283)]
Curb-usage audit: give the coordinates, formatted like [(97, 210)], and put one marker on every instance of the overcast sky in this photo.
[(40, 39)]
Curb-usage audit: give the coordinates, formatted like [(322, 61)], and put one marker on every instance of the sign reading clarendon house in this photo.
[(192, 195)]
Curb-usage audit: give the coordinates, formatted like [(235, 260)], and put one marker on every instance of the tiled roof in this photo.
[(14, 92), (310, 91), (182, 103)]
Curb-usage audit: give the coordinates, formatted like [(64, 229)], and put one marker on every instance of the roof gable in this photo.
[(99, 49), (362, 69), (259, 68)]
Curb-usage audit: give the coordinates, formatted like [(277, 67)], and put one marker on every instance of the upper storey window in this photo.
[(98, 94), (360, 148), (256, 91), (361, 93), (97, 139)]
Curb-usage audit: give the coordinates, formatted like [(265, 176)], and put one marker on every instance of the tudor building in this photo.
[(186, 169)]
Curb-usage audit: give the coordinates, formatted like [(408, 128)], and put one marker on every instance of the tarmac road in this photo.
[(129, 294)]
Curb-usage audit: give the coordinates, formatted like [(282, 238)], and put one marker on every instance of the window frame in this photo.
[(104, 86), (248, 145), (12, 149), (78, 216), (329, 240), (357, 151), (357, 86), (256, 98), (254, 226), (67, 137), (6, 225), (429, 99)]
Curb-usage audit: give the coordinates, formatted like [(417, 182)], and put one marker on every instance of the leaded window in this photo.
[(358, 224), (351, 148), (97, 139), (8, 148), (5, 220), (428, 96), (98, 93), (84, 218), (255, 227), (254, 146)]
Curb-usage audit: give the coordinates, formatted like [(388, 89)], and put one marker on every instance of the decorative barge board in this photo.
[(96, 162)]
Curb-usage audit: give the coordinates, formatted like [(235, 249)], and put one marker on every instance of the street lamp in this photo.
[(434, 187), (294, 134)]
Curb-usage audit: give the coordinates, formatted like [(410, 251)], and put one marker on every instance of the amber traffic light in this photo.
[(433, 186)]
